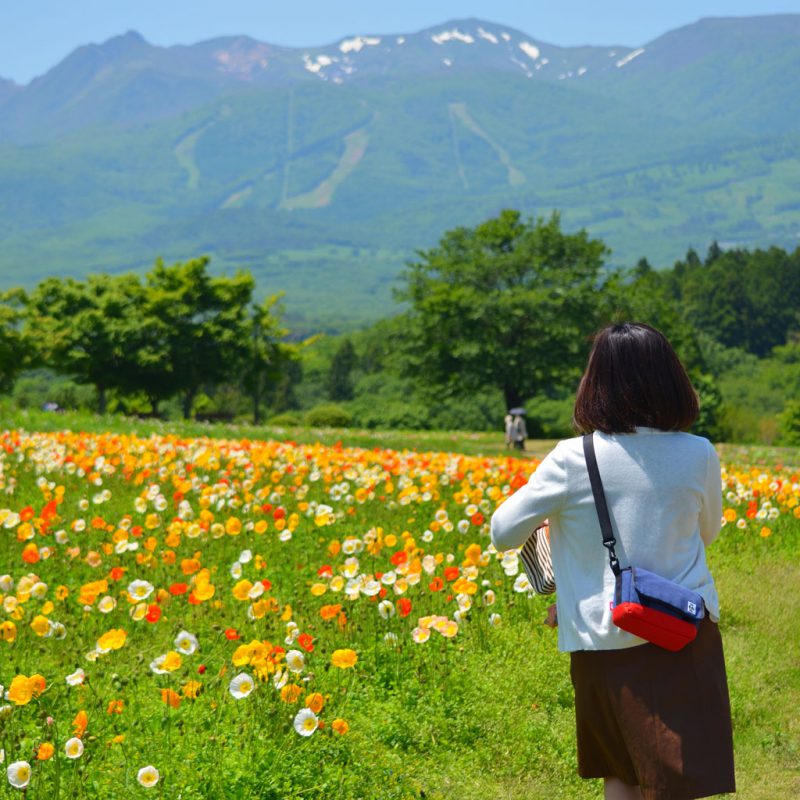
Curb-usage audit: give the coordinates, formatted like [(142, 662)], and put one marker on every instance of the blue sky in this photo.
[(36, 34)]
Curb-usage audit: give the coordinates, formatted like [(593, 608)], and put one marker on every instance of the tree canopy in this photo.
[(509, 303)]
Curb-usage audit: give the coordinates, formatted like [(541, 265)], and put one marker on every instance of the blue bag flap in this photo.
[(685, 601)]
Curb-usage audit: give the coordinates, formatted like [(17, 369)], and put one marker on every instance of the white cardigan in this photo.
[(664, 496)]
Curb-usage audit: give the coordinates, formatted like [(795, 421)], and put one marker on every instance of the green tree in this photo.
[(508, 303), (16, 349), (88, 329), (340, 375), (267, 362), (195, 330)]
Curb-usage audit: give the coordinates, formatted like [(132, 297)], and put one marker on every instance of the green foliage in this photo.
[(328, 415), (268, 354), (507, 304), (16, 352), (286, 419), (743, 299), (194, 328), (35, 388), (709, 423), (88, 330), (790, 424), (340, 376)]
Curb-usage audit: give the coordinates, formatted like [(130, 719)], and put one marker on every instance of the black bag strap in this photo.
[(600, 502)]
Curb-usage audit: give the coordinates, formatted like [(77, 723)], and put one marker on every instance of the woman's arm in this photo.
[(711, 513), (539, 499)]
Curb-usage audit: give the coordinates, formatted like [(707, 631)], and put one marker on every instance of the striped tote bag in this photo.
[(536, 560)]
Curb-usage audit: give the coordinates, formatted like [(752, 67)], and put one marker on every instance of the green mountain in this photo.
[(323, 169)]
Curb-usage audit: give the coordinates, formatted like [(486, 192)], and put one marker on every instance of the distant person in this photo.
[(519, 432), (651, 723), (509, 423)]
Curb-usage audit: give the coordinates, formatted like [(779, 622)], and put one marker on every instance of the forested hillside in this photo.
[(496, 315), (321, 170)]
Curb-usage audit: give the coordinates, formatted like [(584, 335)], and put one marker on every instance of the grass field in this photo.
[(345, 573)]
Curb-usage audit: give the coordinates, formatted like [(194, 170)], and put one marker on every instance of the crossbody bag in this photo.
[(645, 604)]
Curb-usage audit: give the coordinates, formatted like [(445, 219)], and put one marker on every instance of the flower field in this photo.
[(191, 618)]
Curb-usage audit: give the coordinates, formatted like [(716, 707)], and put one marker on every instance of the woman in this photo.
[(654, 724)]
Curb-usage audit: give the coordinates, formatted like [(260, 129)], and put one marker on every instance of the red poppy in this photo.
[(325, 571), (178, 588), (400, 557), (450, 573), (279, 513), (403, 606), (232, 634), (116, 573), (306, 642), (436, 584), (153, 613), (267, 584), (477, 519)]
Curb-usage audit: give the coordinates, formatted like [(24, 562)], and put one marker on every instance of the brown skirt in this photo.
[(656, 719)]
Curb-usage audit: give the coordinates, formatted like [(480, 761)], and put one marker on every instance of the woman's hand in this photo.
[(552, 617)]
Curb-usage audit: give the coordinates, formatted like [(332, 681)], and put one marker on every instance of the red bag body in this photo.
[(657, 627)]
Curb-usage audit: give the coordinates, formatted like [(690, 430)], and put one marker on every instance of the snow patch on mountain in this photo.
[(490, 37), (358, 43), (523, 66), (317, 64), (454, 35), (530, 50), (628, 58)]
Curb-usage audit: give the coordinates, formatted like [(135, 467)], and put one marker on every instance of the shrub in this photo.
[(286, 419), (328, 415), (790, 424)]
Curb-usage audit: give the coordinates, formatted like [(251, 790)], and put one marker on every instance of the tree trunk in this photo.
[(257, 402), (188, 402), (101, 400)]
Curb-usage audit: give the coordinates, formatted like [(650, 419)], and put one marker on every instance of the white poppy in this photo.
[(106, 604), (140, 590), (241, 686), (522, 584), (19, 774), (386, 609), (73, 748), (295, 661), (186, 643), (148, 776), (76, 678), (306, 722)]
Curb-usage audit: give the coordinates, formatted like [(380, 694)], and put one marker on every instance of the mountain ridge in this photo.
[(259, 156)]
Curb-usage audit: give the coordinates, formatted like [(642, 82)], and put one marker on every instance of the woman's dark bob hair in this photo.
[(634, 379)]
